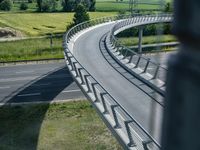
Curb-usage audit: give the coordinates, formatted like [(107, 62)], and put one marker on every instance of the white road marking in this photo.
[(4, 87), (21, 72), (30, 94), (18, 79), (32, 78), (70, 91)]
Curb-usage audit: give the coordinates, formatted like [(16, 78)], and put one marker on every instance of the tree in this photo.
[(80, 15), (92, 5), (39, 5), (168, 7), (6, 5), (23, 6), (68, 5)]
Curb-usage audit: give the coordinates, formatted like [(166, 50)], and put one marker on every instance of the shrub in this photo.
[(80, 15), (23, 6), (6, 5)]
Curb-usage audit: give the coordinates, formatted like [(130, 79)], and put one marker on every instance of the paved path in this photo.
[(37, 82)]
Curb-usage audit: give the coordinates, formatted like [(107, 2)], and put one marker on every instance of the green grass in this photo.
[(31, 49), (73, 125), (34, 24), (131, 41)]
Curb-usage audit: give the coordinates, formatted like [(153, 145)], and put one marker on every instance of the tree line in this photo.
[(50, 5)]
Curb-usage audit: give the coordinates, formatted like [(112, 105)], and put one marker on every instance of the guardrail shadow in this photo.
[(20, 128)]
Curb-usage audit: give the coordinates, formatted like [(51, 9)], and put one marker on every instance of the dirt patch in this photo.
[(9, 33)]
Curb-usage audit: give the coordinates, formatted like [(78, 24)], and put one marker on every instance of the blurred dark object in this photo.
[(181, 124)]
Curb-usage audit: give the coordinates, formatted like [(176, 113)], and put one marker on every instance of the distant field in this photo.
[(34, 24), (72, 125), (131, 41), (119, 6)]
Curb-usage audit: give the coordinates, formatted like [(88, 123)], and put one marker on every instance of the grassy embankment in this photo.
[(72, 125), (130, 41), (37, 24)]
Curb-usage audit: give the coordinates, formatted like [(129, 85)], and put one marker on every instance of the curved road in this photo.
[(139, 105)]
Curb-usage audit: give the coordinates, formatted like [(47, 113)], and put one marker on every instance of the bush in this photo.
[(23, 6), (6, 5)]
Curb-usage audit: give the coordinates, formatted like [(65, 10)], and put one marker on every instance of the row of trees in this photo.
[(6, 5), (67, 5)]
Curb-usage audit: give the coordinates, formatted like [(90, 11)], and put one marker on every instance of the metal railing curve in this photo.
[(124, 55)]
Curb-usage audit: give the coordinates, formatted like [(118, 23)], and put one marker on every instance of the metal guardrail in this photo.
[(120, 52), (128, 131)]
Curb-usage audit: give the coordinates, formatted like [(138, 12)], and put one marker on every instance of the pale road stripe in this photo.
[(4, 87), (18, 79), (20, 72), (31, 78), (70, 91), (31, 94)]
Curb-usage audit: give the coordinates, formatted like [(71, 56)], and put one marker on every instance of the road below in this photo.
[(37, 82)]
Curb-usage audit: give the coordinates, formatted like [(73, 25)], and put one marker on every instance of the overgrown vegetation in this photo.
[(73, 125)]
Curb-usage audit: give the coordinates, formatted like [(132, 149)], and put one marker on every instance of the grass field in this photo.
[(72, 125), (31, 49), (34, 24), (131, 41)]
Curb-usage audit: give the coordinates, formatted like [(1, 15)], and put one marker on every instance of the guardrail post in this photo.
[(95, 92), (75, 69), (156, 72), (140, 40), (138, 61), (131, 58), (79, 70), (131, 142), (87, 84), (146, 66), (104, 103), (117, 125)]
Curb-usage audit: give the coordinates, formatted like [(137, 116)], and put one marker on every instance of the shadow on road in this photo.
[(20, 126)]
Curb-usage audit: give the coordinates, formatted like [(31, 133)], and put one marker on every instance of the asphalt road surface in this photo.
[(37, 82)]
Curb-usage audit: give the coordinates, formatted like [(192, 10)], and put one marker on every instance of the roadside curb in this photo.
[(23, 62), (40, 102)]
